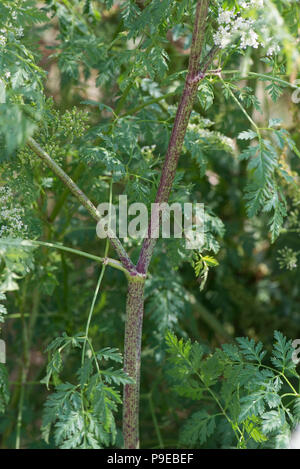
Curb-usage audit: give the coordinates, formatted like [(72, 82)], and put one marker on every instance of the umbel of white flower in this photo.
[(232, 26), (11, 223)]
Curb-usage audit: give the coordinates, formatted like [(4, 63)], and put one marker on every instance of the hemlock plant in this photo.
[(150, 129)]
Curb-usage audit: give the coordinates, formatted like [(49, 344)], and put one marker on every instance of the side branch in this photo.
[(104, 260), (85, 201)]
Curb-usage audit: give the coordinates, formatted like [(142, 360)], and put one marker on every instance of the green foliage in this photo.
[(114, 73), (4, 388), (17, 261), (287, 258), (21, 87), (17, 254), (263, 192), (201, 142), (201, 267), (246, 392), (82, 412), (166, 303), (198, 428)]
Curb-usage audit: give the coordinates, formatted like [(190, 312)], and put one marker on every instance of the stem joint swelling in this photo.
[(135, 277), (195, 79)]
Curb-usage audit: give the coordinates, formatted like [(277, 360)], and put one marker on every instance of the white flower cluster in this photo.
[(148, 148), (11, 223), (246, 4), (18, 31), (235, 25), (2, 40), (273, 49), (270, 43)]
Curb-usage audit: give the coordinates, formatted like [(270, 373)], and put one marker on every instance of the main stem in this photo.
[(196, 73), (135, 296), (132, 360), (137, 275)]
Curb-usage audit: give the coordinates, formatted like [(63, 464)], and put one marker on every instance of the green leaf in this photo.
[(17, 255), (273, 420), (108, 353), (282, 353), (250, 350), (283, 438), (116, 376), (253, 404), (3, 310), (205, 94), (247, 135), (199, 427)]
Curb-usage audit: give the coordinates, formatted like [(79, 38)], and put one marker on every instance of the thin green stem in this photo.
[(27, 331), (279, 373), (240, 106), (95, 358), (266, 77), (86, 338), (155, 423), (105, 260), (96, 290)]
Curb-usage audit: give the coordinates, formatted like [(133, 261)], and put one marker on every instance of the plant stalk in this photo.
[(196, 73), (135, 296), (132, 360), (137, 274)]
